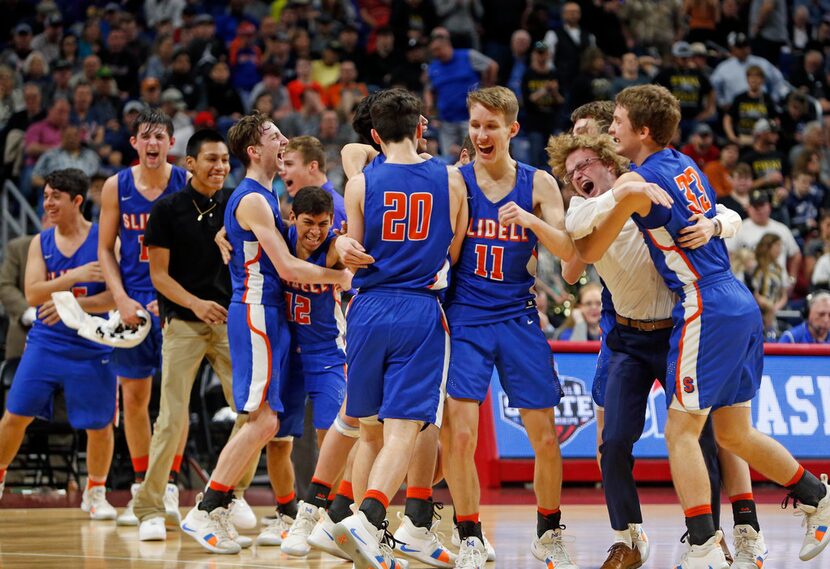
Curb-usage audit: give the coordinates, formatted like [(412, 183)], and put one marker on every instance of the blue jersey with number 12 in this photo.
[(680, 177), (407, 227)]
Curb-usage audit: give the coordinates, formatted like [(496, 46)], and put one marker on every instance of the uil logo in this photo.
[(574, 412)]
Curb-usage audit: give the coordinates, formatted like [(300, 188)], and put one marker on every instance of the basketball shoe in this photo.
[(322, 536), (128, 518), (456, 542), (152, 529), (550, 550), (210, 529), (367, 545), (817, 520), (750, 549), (171, 504), (640, 540), (296, 540), (708, 555), (242, 515), (422, 544), (275, 530), (472, 554), (95, 502)]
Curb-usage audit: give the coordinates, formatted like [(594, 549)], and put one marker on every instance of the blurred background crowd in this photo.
[(751, 77)]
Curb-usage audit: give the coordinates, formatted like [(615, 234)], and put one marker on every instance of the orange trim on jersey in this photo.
[(678, 388), (248, 272), (264, 336)]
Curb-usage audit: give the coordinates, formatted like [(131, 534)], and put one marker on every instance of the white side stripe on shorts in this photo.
[(260, 358)]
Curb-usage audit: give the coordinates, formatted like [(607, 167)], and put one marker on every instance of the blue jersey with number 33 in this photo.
[(680, 177), (407, 227)]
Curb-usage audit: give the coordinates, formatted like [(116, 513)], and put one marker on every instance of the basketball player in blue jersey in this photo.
[(127, 199), (317, 367), (65, 258), (636, 327), (493, 321), (257, 326), (414, 537), (716, 351), (409, 215)]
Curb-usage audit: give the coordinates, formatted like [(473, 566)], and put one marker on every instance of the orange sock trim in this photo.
[(698, 511), (545, 512), (470, 518), (2, 474), (315, 480), (287, 498), (177, 463), (345, 489), (379, 496), (418, 493), (738, 497), (219, 487), (794, 480), (90, 483), (141, 463), (331, 496)]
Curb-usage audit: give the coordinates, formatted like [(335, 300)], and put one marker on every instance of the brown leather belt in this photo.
[(645, 325)]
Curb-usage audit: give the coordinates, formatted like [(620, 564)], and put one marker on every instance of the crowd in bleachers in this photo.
[(751, 77)]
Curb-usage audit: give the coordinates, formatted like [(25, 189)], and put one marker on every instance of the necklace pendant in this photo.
[(199, 218)]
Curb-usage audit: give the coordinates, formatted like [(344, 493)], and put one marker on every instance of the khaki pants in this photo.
[(184, 346)]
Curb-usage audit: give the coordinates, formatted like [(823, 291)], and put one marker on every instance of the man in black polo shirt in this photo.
[(194, 291)]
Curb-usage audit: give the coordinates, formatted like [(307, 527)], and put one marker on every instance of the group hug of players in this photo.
[(443, 262)]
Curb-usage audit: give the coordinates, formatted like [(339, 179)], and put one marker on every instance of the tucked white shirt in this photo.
[(638, 290)]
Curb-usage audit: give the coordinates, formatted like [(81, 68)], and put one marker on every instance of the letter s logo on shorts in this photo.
[(688, 385)]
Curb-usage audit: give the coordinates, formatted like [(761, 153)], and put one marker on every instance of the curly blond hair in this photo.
[(562, 146)]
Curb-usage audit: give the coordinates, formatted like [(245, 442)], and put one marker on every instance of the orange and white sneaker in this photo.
[(707, 555), (422, 544), (750, 549), (817, 520), (210, 530), (95, 502), (639, 539), (550, 549)]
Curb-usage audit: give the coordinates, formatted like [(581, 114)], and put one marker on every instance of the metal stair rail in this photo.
[(13, 225)]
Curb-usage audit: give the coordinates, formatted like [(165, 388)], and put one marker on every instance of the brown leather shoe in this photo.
[(620, 556)]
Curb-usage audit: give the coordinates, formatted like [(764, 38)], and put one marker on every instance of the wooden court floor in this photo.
[(63, 538)]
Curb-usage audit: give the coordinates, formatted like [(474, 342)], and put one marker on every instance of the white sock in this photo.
[(623, 537)]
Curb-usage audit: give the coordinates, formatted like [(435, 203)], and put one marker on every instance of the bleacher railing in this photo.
[(15, 224)]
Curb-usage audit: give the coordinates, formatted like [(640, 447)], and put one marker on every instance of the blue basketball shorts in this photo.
[(259, 342), (397, 351), (88, 383), (716, 355), (143, 360), (521, 354), (319, 374)]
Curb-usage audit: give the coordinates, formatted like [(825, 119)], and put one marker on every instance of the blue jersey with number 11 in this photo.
[(496, 273), (407, 227), (689, 188), (135, 211)]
